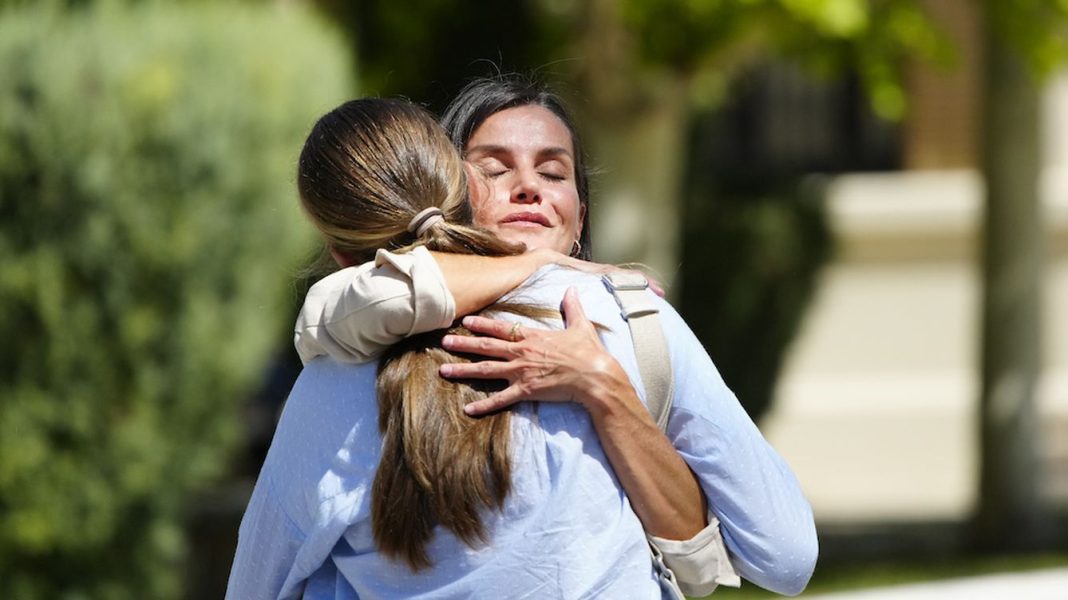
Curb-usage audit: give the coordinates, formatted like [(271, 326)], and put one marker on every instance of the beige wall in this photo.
[(876, 411)]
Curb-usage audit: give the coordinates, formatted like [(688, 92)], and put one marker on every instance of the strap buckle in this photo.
[(629, 290), (625, 281)]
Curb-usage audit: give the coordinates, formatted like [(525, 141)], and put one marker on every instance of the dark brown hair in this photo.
[(367, 168)]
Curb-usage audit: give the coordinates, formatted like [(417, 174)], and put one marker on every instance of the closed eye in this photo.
[(554, 169), (492, 168)]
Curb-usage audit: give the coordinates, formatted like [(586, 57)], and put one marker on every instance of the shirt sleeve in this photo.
[(356, 313), (765, 520), (268, 544), (701, 563)]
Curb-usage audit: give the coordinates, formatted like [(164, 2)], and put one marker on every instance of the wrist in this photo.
[(605, 388), (542, 256)]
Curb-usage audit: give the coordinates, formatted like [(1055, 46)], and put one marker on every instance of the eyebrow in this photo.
[(551, 151)]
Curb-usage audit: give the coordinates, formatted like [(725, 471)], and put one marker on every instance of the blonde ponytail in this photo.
[(367, 170)]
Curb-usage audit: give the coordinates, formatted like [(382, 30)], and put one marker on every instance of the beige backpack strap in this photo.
[(703, 561), (636, 304)]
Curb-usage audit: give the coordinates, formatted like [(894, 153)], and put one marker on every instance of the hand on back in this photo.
[(538, 364)]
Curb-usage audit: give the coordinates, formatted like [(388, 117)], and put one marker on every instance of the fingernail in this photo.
[(468, 320), (445, 370), (447, 340), (469, 409)]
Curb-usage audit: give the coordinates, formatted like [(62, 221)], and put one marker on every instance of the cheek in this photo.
[(574, 209), (482, 210)]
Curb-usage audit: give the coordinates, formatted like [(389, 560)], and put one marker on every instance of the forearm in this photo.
[(664, 492), (354, 314), (573, 365), (475, 282)]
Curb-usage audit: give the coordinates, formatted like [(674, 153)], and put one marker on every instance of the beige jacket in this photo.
[(356, 313)]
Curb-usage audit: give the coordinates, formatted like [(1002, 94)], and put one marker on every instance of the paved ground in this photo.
[(1050, 584)]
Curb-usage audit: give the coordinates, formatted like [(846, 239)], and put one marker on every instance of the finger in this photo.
[(655, 286), (483, 369), (486, 326), (501, 399), (586, 266), (483, 346), (571, 308)]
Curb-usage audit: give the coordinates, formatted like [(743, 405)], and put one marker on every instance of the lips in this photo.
[(527, 217)]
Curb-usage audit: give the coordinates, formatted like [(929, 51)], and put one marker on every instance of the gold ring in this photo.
[(514, 330)]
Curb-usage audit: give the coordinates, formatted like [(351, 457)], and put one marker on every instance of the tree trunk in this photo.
[(635, 118), (1010, 514), (638, 162)]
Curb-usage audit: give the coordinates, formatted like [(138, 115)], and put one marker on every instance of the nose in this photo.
[(526, 191)]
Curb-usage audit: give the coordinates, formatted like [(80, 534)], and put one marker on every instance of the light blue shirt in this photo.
[(567, 529)]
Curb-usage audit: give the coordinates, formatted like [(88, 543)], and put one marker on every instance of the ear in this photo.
[(581, 218), (342, 259)]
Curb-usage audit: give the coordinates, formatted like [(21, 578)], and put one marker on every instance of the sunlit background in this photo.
[(860, 206)]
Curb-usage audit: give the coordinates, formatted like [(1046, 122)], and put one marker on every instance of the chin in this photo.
[(532, 242)]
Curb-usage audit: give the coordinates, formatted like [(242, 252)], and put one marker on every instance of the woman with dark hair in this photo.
[(520, 138)]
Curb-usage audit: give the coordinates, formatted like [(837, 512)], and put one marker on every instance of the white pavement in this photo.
[(1048, 584)]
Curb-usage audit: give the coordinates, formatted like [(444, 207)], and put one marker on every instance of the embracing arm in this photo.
[(663, 491), (573, 365), (354, 314), (478, 281), (763, 515)]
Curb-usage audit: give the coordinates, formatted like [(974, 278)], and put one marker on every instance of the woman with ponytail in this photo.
[(377, 174)]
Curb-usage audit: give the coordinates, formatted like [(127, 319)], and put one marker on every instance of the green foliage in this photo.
[(1038, 29), (874, 38), (148, 226), (426, 49), (877, 41), (706, 41)]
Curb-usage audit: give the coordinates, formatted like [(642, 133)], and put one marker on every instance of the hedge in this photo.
[(149, 230)]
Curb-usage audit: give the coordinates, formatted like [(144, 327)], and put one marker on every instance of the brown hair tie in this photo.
[(425, 219)]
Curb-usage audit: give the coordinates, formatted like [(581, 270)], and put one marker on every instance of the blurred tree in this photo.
[(148, 227), (755, 230), (647, 64), (442, 43), (1024, 41), (648, 67)]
